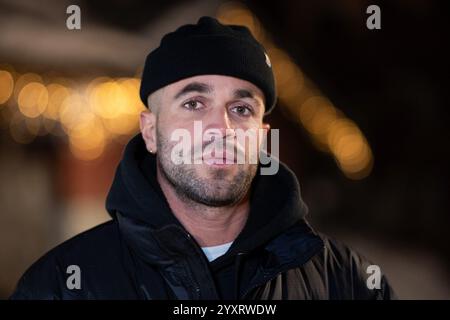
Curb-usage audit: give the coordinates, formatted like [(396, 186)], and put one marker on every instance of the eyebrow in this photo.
[(243, 93), (194, 87), (202, 87)]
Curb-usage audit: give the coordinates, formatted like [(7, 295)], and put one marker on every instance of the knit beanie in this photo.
[(208, 48)]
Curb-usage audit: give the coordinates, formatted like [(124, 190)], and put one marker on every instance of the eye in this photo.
[(192, 105), (242, 110)]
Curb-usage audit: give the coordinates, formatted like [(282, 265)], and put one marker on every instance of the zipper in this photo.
[(197, 288)]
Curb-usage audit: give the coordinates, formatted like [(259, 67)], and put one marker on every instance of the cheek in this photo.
[(175, 135), (162, 134), (253, 125), (254, 135)]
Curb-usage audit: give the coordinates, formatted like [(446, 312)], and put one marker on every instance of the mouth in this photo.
[(225, 160)]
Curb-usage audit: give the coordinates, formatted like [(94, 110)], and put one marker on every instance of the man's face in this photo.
[(221, 104)]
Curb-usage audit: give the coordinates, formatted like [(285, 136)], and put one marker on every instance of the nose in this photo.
[(219, 120)]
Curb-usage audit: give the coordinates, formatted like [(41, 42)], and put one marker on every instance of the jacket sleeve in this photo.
[(386, 292), (39, 282), (369, 280), (355, 277)]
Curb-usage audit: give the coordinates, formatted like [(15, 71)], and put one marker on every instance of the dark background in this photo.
[(392, 83)]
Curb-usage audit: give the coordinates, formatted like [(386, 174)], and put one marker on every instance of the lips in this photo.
[(220, 156), (226, 159)]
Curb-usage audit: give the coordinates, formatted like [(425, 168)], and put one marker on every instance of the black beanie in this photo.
[(208, 47)]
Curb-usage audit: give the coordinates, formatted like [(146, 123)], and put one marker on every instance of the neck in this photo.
[(210, 226)]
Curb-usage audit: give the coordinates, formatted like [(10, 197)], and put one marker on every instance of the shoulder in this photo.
[(92, 250), (350, 274)]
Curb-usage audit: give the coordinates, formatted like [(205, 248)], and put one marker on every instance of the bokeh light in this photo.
[(33, 99), (322, 120), (6, 86)]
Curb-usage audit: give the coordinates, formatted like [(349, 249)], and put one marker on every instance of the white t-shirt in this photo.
[(216, 251)]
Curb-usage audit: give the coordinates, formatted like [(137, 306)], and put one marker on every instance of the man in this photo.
[(212, 228)]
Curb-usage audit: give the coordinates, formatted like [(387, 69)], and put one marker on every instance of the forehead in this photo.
[(217, 83)]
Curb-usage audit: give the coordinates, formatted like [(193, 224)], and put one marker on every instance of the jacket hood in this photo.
[(275, 201)]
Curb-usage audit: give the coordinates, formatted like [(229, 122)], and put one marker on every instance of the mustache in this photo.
[(225, 144)]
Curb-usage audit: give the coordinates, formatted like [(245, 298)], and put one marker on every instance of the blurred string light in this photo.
[(6, 85), (107, 109), (331, 131), (91, 115)]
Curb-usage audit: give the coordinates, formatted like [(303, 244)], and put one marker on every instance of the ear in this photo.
[(265, 128), (147, 123)]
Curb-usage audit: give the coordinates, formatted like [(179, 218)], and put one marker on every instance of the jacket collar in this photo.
[(147, 223)]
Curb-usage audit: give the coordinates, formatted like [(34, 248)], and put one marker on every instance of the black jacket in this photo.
[(145, 253)]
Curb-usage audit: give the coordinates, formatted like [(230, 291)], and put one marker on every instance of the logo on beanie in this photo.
[(267, 60)]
